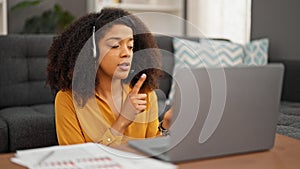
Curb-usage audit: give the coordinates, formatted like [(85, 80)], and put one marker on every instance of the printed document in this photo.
[(85, 156)]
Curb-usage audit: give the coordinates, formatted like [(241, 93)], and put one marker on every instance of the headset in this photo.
[(128, 21)]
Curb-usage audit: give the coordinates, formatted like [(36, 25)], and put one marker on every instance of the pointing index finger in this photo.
[(139, 84)]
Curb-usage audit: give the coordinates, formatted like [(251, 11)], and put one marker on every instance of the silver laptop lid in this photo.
[(221, 111)]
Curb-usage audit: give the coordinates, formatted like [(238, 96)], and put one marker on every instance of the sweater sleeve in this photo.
[(68, 129), (109, 139), (152, 129)]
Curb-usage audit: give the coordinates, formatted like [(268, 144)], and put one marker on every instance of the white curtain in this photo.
[(230, 19)]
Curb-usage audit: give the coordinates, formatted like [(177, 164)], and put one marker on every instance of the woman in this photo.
[(104, 68)]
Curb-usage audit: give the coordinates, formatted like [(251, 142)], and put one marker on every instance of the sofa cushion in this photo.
[(206, 53), (13, 67), (165, 44), (220, 53), (256, 52), (3, 136), (30, 126), (23, 70), (27, 93)]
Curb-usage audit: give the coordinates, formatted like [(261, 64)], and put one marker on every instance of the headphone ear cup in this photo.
[(94, 43)]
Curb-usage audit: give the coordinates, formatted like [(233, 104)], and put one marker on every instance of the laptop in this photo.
[(219, 112)]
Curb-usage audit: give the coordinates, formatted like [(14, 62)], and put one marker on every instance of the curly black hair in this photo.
[(71, 65)]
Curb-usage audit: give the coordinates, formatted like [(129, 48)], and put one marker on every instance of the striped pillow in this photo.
[(207, 53), (256, 52)]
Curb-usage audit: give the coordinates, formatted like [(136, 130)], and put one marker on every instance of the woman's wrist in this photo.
[(165, 124), (162, 129), (115, 132), (167, 119), (121, 124)]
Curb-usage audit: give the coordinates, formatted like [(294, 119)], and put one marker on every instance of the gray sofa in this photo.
[(26, 104)]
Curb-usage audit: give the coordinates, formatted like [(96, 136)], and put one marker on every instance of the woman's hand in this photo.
[(134, 104)]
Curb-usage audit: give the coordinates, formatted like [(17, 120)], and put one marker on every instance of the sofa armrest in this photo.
[(291, 81)]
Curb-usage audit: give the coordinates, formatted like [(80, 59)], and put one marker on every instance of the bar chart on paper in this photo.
[(85, 156), (83, 163)]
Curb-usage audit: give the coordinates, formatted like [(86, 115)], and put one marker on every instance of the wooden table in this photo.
[(284, 155)]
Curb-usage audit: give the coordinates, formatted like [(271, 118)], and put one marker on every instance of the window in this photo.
[(229, 19)]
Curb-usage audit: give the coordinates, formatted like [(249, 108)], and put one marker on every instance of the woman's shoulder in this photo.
[(64, 94), (64, 98)]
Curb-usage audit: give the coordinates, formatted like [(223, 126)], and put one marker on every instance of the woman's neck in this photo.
[(110, 90), (106, 87)]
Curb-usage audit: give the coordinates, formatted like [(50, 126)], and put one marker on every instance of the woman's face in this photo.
[(116, 51)]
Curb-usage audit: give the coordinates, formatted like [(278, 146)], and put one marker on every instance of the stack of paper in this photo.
[(85, 156)]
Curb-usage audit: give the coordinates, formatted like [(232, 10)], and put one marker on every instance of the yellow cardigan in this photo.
[(92, 122)]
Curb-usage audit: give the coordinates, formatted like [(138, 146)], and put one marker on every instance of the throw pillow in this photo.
[(256, 52), (207, 53)]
